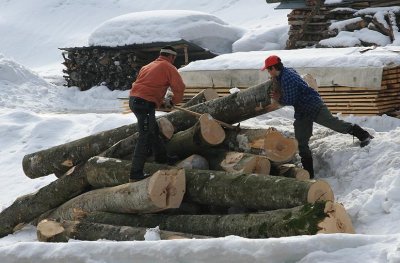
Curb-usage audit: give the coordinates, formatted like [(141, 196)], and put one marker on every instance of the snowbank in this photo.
[(203, 29)]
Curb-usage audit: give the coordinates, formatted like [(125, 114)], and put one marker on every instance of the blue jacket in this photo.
[(296, 92)]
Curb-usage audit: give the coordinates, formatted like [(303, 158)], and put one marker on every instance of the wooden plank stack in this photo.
[(364, 101), (310, 25)]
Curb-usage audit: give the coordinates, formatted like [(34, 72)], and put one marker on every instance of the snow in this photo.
[(320, 57), (203, 29), (38, 112)]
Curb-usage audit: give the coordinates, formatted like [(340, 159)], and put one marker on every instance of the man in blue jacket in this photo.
[(291, 89)]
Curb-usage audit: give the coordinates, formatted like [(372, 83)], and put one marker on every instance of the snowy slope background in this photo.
[(37, 112)]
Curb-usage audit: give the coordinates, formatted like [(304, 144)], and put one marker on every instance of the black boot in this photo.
[(307, 163), (361, 134)]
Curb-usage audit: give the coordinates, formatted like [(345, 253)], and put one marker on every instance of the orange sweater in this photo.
[(154, 79)]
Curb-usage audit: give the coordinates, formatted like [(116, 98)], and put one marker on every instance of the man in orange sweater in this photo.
[(147, 93)]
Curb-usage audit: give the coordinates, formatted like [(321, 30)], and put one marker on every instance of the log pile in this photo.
[(318, 21), (234, 182), (117, 67)]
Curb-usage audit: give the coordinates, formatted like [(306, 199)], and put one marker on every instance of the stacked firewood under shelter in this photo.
[(316, 20), (117, 67), (230, 181)]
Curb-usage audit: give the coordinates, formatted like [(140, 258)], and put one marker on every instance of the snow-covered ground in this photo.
[(38, 112)]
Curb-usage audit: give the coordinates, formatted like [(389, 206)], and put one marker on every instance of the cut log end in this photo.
[(47, 229), (246, 163), (263, 165), (211, 130), (337, 221), (320, 191), (167, 187), (279, 148), (166, 127)]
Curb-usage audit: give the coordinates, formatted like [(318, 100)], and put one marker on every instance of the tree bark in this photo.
[(26, 208), (206, 132), (269, 142), (203, 96), (53, 231), (309, 219), (194, 161), (233, 108), (219, 188), (163, 190)]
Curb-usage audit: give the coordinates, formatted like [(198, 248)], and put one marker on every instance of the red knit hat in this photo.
[(270, 61)]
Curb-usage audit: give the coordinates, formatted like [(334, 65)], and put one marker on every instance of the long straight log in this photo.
[(309, 219), (220, 188), (53, 231), (163, 190), (233, 108), (26, 208)]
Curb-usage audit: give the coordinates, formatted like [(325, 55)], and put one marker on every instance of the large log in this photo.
[(163, 190), (53, 231), (233, 108), (26, 208), (220, 188), (309, 219), (206, 132)]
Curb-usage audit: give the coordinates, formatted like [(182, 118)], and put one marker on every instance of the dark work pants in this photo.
[(149, 138), (303, 131)]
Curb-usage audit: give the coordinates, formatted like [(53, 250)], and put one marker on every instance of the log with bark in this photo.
[(163, 190), (309, 219), (26, 208), (53, 231), (220, 188), (233, 108), (202, 96), (206, 132), (269, 142)]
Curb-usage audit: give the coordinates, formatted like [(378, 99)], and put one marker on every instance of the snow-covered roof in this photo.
[(203, 29)]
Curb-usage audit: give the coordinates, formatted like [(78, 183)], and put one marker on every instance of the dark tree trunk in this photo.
[(219, 188), (308, 219), (230, 109)]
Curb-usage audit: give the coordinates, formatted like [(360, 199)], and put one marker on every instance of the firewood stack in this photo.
[(318, 21), (228, 182)]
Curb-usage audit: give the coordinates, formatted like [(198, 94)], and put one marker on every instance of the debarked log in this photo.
[(221, 188), (309, 219), (163, 190), (53, 231), (233, 108)]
